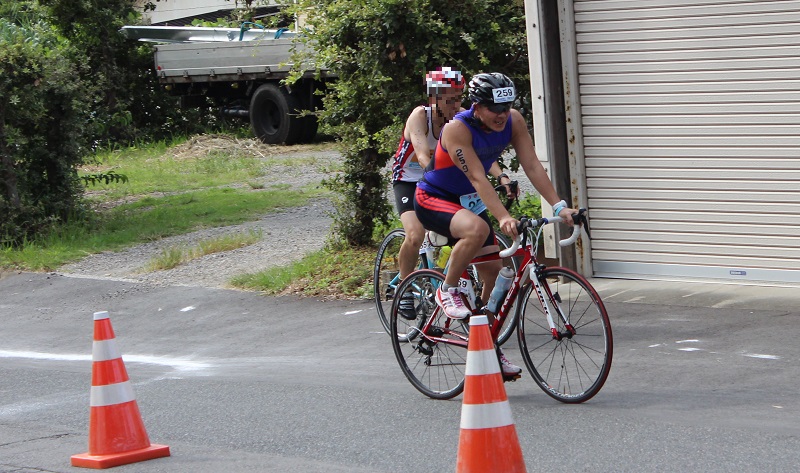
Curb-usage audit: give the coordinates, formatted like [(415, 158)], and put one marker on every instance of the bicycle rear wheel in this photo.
[(571, 366), (386, 274), (432, 348)]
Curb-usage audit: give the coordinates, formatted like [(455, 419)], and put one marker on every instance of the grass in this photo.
[(188, 164), (333, 271), (149, 219), (177, 255), (202, 182), (172, 189), (186, 185)]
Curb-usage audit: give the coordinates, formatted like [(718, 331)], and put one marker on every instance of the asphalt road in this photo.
[(704, 379)]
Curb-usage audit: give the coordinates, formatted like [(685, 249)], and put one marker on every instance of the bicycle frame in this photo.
[(385, 290), (568, 359), (466, 278), (529, 269)]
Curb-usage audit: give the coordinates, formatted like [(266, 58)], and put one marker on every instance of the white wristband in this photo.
[(559, 207)]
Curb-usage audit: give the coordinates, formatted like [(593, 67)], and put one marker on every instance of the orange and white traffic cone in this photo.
[(116, 432), (488, 441)]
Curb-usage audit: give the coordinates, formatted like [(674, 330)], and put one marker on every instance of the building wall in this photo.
[(687, 135)]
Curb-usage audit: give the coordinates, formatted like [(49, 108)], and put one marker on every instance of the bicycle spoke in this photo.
[(569, 365), (430, 349)]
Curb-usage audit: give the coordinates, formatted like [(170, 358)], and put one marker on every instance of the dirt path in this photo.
[(288, 235)]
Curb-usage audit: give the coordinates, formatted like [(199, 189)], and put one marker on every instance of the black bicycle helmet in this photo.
[(482, 88)]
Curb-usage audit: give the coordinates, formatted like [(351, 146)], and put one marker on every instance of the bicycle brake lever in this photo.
[(514, 187), (522, 225), (583, 221)]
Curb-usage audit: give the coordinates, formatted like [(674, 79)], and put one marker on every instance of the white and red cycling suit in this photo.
[(406, 169)]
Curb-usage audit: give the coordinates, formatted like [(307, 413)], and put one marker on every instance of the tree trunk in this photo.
[(370, 198), (7, 172), (365, 209)]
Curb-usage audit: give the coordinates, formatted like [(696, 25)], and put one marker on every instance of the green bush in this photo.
[(43, 127), (71, 83), (529, 206), (380, 51)]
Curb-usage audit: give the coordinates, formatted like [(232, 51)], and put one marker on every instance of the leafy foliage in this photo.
[(380, 50), (104, 177), (70, 83), (331, 272), (131, 105), (530, 206), (43, 124)]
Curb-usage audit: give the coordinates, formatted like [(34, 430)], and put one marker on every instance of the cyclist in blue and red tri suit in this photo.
[(454, 194), (420, 135)]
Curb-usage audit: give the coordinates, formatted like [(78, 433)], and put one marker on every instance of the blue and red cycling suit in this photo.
[(445, 188)]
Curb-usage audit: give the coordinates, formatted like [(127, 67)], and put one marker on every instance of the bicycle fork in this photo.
[(536, 275)]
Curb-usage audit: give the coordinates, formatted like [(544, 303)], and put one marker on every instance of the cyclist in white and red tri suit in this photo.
[(445, 87)]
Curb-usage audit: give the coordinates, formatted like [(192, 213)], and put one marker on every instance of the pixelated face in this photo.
[(449, 100)]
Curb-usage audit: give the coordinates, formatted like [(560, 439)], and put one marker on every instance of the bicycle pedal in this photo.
[(511, 377)]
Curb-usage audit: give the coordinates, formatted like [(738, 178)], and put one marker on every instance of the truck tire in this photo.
[(274, 116)]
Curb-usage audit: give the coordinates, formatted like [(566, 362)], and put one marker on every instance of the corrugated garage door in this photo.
[(691, 130)]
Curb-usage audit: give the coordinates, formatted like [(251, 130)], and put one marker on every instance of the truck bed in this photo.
[(201, 54), (217, 61)]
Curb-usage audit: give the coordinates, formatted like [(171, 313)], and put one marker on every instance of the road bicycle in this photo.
[(433, 254), (562, 326)]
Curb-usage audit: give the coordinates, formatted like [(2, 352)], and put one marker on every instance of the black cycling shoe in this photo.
[(406, 307)]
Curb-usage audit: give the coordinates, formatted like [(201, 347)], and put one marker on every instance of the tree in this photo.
[(113, 65), (380, 50), (42, 123), (132, 103), (70, 83)]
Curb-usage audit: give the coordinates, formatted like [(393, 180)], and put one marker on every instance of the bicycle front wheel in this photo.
[(569, 365), (386, 274), (431, 348)]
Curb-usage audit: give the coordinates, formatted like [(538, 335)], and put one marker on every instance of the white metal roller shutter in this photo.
[(691, 131)]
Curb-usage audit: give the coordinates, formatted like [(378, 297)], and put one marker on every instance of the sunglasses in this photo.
[(499, 107)]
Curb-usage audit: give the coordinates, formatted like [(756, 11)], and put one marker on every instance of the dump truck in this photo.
[(240, 70)]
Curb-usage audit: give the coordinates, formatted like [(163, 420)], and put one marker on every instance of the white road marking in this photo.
[(763, 357), (181, 364)]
